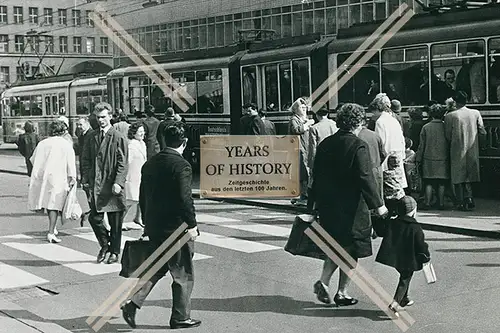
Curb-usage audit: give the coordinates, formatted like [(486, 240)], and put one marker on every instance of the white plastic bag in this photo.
[(72, 209)]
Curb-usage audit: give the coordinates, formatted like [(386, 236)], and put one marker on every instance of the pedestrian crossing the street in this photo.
[(76, 251)]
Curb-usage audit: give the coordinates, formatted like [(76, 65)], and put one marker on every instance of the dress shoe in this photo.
[(322, 293), (128, 313), (406, 302), (394, 310), (188, 323), (469, 204), (344, 301), (113, 258), (102, 254), (52, 238)]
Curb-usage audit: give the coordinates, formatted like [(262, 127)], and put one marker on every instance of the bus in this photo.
[(43, 100)]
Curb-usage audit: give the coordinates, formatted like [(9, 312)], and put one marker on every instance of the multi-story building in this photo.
[(173, 25), (46, 37)]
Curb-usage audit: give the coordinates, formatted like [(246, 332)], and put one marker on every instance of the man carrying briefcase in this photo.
[(166, 202)]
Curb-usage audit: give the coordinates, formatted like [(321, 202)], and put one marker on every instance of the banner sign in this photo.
[(248, 166)]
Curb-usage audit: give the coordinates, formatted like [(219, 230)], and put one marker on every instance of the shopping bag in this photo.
[(135, 253), (72, 210), (429, 273), (299, 243)]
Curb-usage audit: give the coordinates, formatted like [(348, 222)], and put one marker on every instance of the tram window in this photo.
[(405, 75), (36, 105), (48, 108), (82, 102), (249, 84), (209, 95), (285, 86), (25, 102), (105, 95), (271, 87), (62, 103), (494, 70), (139, 93), (364, 85), (301, 83), (16, 106), (95, 97), (459, 66)]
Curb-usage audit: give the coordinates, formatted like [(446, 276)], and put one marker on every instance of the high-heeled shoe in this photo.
[(52, 238)]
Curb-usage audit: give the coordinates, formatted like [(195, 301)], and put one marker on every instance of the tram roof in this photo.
[(428, 27), (44, 86)]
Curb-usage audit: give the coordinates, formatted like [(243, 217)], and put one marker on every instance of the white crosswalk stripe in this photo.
[(84, 262)]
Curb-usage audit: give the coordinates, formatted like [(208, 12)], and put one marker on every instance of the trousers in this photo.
[(180, 267), (463, 191), (403, 286), (107, 239)]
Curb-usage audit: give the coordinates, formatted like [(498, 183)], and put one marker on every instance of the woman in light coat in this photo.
[(137, 156), (54, 173)]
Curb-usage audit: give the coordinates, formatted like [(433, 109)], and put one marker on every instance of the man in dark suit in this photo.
[(104, 172), (269, 128), (84, 134), (151, 125), (166, 202), (168, 121), (344, 190), (250, 123)]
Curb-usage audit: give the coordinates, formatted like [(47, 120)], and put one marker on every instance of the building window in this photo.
[(18, 15), (104, 45), (90, 45), (4, 74), (33, 14), (77, 44), (77, 17), (19, 43), (48, 16), (63, 44), (90, 22), (20, 73), (63, 16), (3, 14), (4, 43), (49, 44)]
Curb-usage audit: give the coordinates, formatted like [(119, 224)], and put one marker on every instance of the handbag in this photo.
[(135, 253), (299, 243), (72, 210), (429, 273)]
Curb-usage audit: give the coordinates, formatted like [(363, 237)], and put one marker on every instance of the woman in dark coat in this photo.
[(403, 248), (344, 190), (26, 144)]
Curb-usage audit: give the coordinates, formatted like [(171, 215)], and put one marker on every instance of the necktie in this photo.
[(101, 138)]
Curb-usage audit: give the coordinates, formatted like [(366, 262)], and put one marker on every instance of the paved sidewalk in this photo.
[(483, 222)]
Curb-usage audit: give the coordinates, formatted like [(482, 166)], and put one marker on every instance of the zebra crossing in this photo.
[(76, 251)]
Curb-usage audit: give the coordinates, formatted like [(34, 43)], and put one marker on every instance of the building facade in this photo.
[(47, 37), (174, 25)]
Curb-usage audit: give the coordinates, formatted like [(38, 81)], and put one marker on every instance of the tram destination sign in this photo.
[(248, 166)]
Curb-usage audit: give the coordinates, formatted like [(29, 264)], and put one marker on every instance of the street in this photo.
[(244, 280)]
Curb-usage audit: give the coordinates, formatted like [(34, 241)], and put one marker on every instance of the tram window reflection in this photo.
[(209, 92), (82, 102), (459, 66), (249, 84), (301, 78), (139, 93), (364, 85), (494, 70), (285, 86), (36, 105), (405, 75), (271, 87)]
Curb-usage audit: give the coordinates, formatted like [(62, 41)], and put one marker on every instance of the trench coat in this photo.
[(433, 153), (104, 165), (137, 156), (344, 190), (54, 162), (462, 130)]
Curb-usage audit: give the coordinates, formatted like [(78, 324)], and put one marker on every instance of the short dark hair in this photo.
[(449, 71), (262, 113), (170, 112), (29, 127), (437, 111), (132, 130), (150, 110), (122, 117), (323, 111), (250, 105), (461, 97), (57, 128), (174, 135), (350, 116), (103, 106)]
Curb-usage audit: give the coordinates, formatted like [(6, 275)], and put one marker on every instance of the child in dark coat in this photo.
[(404, 248)]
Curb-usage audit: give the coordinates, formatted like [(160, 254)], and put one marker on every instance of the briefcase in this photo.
[(134, 254), (429, 273), (299, 243)]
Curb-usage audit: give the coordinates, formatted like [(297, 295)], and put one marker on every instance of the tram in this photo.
[(43, 100)]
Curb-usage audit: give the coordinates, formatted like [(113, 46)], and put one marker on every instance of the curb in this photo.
[(12, 172), (303, 210)]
